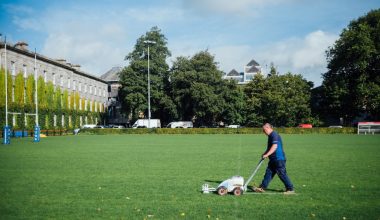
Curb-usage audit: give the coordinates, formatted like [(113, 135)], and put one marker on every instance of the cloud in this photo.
[(304, 56), (245, 7)]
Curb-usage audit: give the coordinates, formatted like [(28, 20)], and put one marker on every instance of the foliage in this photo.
[(282, 100), (294, 130), (41, 90), (352, 83), (201, 95), (2, 87), (65, 101), (29, 93), (19, 87), (52, 102)]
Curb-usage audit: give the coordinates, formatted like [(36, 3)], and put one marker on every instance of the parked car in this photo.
[(233, 126), (305, 126), (180, 124), (89, 126), (335, 126), (118, 126)]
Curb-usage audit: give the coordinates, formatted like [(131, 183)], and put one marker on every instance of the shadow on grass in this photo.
[(214, 181)]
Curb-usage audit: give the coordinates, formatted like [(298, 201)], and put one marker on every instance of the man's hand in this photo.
[(264, 156)]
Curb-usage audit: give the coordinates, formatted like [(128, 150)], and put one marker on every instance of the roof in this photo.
[(253, 63), (233, 73), (112, 74), (253, 69), (43, 58)]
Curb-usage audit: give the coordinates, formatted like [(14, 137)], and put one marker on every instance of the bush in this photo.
[(105, 131)]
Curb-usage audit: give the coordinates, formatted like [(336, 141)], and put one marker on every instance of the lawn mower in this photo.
[(233, 185)]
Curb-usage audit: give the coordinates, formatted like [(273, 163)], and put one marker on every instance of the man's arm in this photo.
[(272, 149)]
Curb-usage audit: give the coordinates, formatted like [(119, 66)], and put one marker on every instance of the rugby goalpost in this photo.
[(7, 129)]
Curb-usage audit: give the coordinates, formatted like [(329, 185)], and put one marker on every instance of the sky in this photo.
[(98, 34)]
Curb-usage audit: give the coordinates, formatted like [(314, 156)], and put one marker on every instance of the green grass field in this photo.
[(160, 177)]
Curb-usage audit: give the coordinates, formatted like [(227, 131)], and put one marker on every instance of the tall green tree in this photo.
[(283, 100), (42, 102), (351, 86), (49, 91), (19, 89), (199, 92), (134, 80), (29, 92), (254, 92)]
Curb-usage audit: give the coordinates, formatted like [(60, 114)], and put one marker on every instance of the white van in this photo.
[(180, 124), (144, 123)]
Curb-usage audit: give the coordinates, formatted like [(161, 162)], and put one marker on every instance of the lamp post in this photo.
[(149, 42)]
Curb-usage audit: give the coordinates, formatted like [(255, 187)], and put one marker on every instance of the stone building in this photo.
[(250, 70), (115, 115), (67, 76)]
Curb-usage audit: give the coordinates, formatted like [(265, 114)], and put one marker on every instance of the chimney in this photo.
[(21, 45), (61, 61), (76, 67)]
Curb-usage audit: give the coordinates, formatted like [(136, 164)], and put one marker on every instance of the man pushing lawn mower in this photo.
[(277, 161)]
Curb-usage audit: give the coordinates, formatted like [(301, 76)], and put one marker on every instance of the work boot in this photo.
[(258, 189), (289, 192)]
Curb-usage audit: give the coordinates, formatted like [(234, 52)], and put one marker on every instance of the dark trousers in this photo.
[(277, 167)]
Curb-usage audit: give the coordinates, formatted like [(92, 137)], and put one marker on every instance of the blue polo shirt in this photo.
[(279, 154)]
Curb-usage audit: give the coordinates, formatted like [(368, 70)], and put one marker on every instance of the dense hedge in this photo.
[(346, 130)]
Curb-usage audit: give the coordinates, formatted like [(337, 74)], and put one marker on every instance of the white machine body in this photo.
[(233, 182)]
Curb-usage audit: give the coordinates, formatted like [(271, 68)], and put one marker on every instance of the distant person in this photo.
[(277, 161)]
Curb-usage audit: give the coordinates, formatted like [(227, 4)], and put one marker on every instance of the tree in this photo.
[(49, 91), (351, 86), (41, 93), (134, 91), (19, 91), (254, 91), (283, 100), (29, 92), (234, 103), (199, 91), (66, 105)]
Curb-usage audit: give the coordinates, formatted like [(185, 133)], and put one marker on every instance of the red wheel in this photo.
[(237, 191), (222, 190)]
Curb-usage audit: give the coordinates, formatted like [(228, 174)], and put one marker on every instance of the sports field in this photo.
[(160, 177)]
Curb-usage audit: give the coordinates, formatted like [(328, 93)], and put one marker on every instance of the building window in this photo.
[(25, 71), (13, 68), (68, 82), (45, 76), (85, 88), (53, 78), (74, 85), (79, 86)]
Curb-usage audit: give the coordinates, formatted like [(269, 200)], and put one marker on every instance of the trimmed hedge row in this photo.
[(105, 131)]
